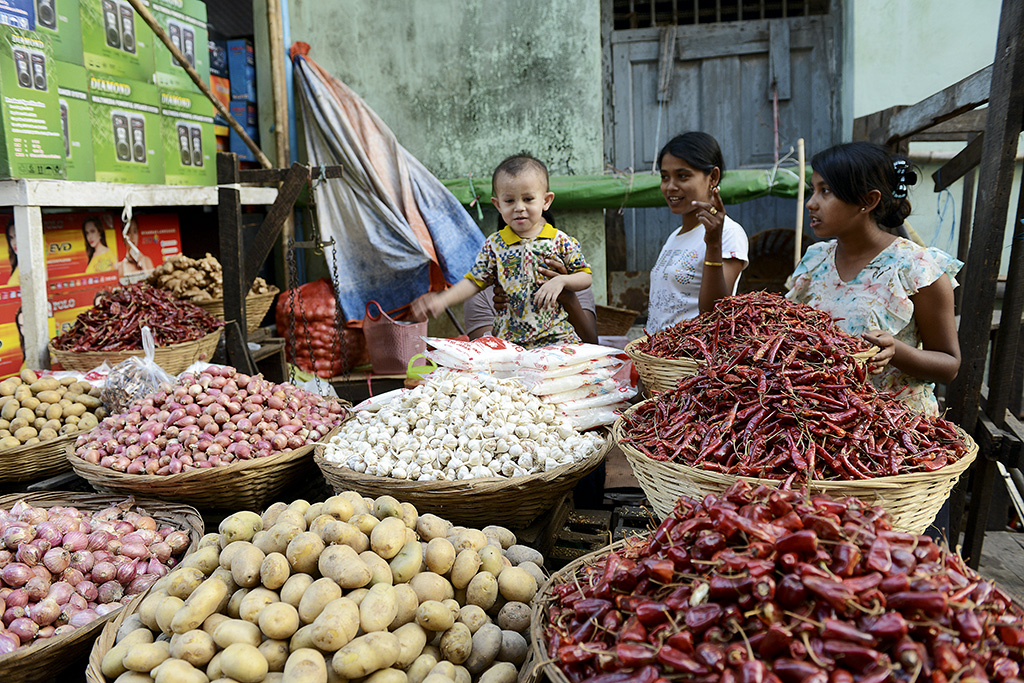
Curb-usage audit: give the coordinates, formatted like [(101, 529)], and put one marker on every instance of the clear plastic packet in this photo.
[(130, 380)]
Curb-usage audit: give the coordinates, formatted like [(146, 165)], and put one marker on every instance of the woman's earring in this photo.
[(862, 208)]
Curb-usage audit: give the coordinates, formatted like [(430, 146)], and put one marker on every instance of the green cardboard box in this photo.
[(31, 145), (76, 124), (188, 139), (185, 24), (126, 139), (61, 20), (115, 40)]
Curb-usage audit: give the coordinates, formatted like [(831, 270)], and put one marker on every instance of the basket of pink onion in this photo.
[(69, 561)]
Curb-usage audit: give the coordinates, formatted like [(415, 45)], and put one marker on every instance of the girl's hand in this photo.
[(547, 295), (553, 267), (429, 304), (712, 215), (887, 345)]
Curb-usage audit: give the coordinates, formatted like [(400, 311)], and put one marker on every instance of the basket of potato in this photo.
[(348, 589), (39, 421)]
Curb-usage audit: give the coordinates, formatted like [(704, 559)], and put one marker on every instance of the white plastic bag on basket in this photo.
[(588, 418), (551, 359), (617, 395), (130, 380), (486, 354)]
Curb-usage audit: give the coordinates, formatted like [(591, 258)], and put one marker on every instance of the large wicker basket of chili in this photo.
[(111, 331), (770, 326), (822, 426), (757, 584)]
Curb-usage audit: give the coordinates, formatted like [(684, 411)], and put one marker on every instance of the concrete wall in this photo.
[(465, 83), (902, 51)]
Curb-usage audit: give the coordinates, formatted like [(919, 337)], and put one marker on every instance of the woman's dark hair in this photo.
[(89, 251), (11, 254), (516, 164), (854, 169), (699, 150)]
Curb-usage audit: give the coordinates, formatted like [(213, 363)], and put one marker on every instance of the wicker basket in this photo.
[(513, 501), (174, 358), (40, 460), (256, 307), (614, 322), (46, 659), (244, 485), (912, 500), (660, 374)]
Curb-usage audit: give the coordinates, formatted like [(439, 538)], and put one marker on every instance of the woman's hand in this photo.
[(887, 349), (500, 298), (712, 215)]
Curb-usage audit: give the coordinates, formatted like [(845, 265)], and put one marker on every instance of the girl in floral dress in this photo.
[(894, 293)]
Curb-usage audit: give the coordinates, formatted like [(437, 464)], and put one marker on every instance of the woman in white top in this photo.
[(702, 261)]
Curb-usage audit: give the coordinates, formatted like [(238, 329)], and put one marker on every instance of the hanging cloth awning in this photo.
[(398, 232)]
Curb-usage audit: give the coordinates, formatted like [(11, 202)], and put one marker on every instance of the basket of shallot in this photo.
[(216, 439), (70, 561), (465, 446), (758, 584)]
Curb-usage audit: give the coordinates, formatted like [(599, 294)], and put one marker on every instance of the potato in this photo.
[(387, 676), (237, 631), (443, 668), (90, 402), (517, 585), (387, 506), (49, 397), (134, 677), (8, 386), (213, 621), (380, 570), (246, 564), (278, 621), (275, 652), (213, 668), (10, 409), (277, 538), (111, 664), (148, 607), (254, 601), (274, 571), (210, 539), (502, 672), (227, 553), (244, 663), (364, 522), (291, 517), (299, 505), (32, 403), (294, 588), (29, 376), (406, 603), (46, 434), (305, 665), (406, 563), (469, 538), (378, 608), (195, 647), (434, 616), (440, 555), (366, 654), (517, 554), (514, 616), (513, 648), (339, 508), (420, 667), (467, 564), (302, 638), (343, 533), (536, 572), (166, 611), (341, 564), (270, 515), (486, 645), (483, 590), (25, 433), (457, 643), (9, 442), (178, 671), (430, 586), (75, 410), (412, 639), (235, 603), (240, 526), (22, 392), (312, 512), (430, 526), (474, 617), (319, 525), (359, 506), (128, 626), (316, 597), (145, 656), (388, 537), (205, 559), (336, 625), (303, 552)]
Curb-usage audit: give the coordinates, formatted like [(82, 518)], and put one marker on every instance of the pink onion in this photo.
[(24, 628), (42, 572), (136, 551), (16, 574), (83, 617), (75, 541), (16, 535), (72, 576), (44, 612), (156, 567), (61, 592), (46, 632), (50, 532), (78, 601), (83, 561), (98, 539), (5, 558), (126, 572), (161, 550), (37, 588), (141, 583), (28, 554), (103, 610), (33, 515), (13, 613), (42, 544), (17, 598), (111, 591), (57, 559), (8, 643), (87, 589)]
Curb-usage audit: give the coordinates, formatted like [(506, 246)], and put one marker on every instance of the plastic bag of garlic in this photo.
[(460, 426)]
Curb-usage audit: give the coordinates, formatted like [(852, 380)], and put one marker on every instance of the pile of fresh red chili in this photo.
[(769, 586), (772, 325), (791, 420), (115, 323)]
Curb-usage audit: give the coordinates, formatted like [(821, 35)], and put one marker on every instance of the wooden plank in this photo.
[(957, 167), (1001, 380), (1003, 561), (943, 105), (984, 480), (278, 175), (778, 58), (74, 194), (35, 327), (256, 252), (232, 256), (961, 127)]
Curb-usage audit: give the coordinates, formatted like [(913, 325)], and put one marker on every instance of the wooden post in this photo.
[(35, 320), (278, 78), (232, 259), (801, 166), (995, 181)]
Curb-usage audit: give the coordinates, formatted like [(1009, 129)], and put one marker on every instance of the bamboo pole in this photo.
[(278, 79), (801, 166), (204, 87)]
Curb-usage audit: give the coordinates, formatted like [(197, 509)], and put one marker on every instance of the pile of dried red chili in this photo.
[(775, 326), (790, 419), (115, 323), (768, 586)]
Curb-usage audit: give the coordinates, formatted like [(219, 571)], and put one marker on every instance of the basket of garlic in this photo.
[(465, 446)]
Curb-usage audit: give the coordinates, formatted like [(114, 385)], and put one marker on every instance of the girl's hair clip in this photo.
[(905, 177)]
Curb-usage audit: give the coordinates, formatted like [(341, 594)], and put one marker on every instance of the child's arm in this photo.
[(547, 295), (434, 303), (939, 358)]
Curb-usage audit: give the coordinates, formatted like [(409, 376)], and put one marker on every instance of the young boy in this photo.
[(511, 257)]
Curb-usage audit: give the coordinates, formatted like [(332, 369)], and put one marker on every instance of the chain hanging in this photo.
[(340, 346)]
